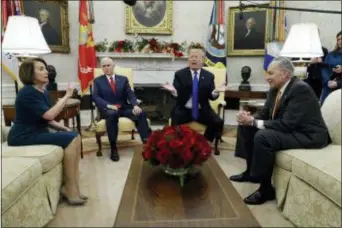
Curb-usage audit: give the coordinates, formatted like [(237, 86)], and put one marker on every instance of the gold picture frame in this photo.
[(150, 17), (244, 42), (56, 27)]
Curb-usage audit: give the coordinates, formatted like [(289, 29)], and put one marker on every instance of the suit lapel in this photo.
[(106, 82), (201, 78), (118, 84), (188, 78), (285, 95)]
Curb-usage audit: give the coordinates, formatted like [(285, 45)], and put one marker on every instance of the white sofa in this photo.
[(308, 181), (31, 180)]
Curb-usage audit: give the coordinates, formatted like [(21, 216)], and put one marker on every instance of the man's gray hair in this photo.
[(107, 59), (284, 64)]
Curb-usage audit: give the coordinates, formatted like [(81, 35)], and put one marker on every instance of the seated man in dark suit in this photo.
[(192, 88), (115, 98), (290, 119)]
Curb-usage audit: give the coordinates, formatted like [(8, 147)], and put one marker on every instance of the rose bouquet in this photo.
[(177, 149)]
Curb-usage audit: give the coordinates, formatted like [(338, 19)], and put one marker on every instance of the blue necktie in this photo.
[(195, 97)]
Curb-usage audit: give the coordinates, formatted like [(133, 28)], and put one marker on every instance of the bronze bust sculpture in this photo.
[(245, 75), (52, 85)]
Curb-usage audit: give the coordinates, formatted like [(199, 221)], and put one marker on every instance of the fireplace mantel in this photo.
[(137, 55), (154, 68)]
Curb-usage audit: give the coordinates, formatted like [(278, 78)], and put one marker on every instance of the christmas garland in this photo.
[(143, 45)]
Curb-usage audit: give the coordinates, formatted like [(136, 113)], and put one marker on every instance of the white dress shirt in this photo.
[(108, 77), (189, 102), (260, 123), (42, 24)]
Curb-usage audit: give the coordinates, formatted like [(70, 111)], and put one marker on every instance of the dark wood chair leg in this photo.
[(99, 144), (132, 134)]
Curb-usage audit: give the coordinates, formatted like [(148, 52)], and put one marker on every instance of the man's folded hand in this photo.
[(113, 107)]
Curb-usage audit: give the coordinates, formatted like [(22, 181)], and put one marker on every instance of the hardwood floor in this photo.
[(103, 181)]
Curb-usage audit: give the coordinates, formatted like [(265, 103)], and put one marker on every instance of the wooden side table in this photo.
[(252, 105), (245, 94), (70, 111)]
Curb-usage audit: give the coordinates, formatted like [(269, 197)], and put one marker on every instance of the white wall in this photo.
[(190, 22)]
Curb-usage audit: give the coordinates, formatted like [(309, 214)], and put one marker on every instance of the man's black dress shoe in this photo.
[(244, 177), (114, 155), (260, 197)]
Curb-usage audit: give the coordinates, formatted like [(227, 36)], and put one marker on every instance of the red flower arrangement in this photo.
[(143, 45), (121, 46), (176, 147)]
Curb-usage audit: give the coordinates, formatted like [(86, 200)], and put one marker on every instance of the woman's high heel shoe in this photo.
[(72, 200), (83, 197)]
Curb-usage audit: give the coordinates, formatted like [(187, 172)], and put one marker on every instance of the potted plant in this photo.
[(179, 150)]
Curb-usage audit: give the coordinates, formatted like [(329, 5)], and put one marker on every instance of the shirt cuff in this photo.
[(174, 93), (260, 124), (215, 94)]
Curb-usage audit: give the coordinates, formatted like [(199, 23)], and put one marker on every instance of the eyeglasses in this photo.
[(108, 65)]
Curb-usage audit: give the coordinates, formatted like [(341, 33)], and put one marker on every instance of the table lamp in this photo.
[(23, 38), (302, 42)]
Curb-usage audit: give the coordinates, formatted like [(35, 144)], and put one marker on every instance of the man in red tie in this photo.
[(114, 98)]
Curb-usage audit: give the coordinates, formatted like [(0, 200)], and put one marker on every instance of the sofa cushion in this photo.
[(48, 155), (284, 158), (18, 174), (321, 169), (331, 111)]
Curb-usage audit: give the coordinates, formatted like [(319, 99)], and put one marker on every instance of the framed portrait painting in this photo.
[(150, 17), (247, 31), (53, 20)]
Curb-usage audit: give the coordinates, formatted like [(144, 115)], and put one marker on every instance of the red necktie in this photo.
[(112, 84)]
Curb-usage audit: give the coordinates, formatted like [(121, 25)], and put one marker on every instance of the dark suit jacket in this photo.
[(104, 95), (183, 84), (299, 113)]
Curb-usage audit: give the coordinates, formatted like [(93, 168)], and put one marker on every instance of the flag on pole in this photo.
[(278, 34), (216, 45), (86, 49)]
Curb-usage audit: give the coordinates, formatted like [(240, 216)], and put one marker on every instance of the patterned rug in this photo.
[(124, 141)]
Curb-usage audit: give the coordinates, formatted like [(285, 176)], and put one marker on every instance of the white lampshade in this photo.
[(24, 37), (302, 42)]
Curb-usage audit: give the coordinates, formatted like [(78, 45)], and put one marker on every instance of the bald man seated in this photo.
[(114, 98)]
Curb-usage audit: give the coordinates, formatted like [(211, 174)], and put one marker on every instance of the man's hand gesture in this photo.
[(169, 87), (222, 88)]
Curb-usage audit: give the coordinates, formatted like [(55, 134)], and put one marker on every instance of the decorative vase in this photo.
[(181, 173)]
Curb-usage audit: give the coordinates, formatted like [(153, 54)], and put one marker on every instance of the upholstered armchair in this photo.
[(217, 105), (124, 124)]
